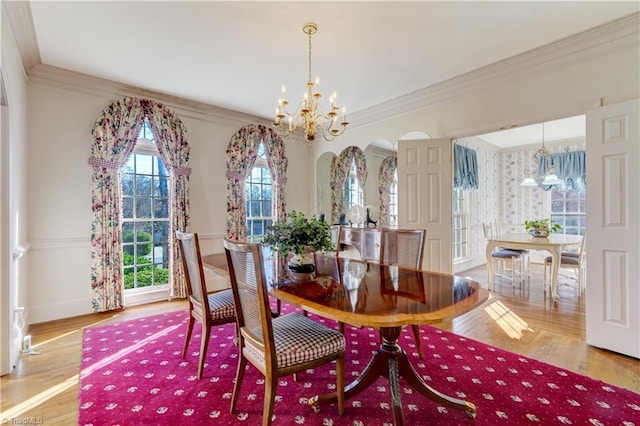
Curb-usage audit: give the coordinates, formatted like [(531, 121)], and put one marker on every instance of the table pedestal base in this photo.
[(391, 361)]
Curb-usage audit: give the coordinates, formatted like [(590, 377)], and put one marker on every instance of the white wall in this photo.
[(560, 92), (14, 238), (60, 196), (60, 121)]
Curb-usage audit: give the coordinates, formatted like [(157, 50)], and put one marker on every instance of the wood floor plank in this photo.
[(520, 319)]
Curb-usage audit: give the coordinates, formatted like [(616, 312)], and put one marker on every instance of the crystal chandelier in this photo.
[(549, 177), (309, 115)]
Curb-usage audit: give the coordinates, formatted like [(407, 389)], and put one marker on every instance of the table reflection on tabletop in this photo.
[(366, 291)]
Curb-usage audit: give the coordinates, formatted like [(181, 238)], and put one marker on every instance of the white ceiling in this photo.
[(237, 55), (550, 131)]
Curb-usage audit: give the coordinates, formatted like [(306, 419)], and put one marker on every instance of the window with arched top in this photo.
[(352, 193), (258, 188), (393, 200), (122, 161), (144, 182), (348, 180), (255, 145), (388, 191)]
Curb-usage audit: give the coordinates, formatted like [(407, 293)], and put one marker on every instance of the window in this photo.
[(145, 215), (460, 219), (393, 200), (569, 209), (257, 188), (353, 194)]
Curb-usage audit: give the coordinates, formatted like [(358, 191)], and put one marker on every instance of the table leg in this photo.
[(489, 252), (556, 253), (391, 361), (394, 385)]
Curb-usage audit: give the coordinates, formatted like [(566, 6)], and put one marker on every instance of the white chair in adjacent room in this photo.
[(575, 261)]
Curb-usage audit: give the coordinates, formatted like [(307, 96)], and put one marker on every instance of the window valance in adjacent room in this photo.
[(570, 167), (465, 168)]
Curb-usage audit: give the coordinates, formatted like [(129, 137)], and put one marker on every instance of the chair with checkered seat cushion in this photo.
[(218, 305), (279, 346)]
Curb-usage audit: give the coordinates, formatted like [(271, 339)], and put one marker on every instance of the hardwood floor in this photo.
[(517, 318)]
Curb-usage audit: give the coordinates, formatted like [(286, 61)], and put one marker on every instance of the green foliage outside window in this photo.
[(141, 237), (145, 273)]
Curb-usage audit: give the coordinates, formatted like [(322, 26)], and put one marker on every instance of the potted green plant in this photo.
[(300, 236), (541, 228)]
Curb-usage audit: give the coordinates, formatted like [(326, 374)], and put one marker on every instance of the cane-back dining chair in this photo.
[(279, 346), (208, 309), (404, 248)]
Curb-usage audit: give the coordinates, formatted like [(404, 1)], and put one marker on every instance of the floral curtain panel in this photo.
[(337, 175), (114, 136), (241, 156), (465, 168), (339, 172), (385, 180), (171, 136)]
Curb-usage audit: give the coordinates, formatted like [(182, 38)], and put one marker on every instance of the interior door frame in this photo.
[(8, 350)]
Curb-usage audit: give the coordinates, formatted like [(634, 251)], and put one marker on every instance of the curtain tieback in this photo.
[(234, 175), (102, 163), (182, 171)]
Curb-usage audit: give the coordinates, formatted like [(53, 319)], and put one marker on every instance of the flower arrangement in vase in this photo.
[(300, 236), (541, 228)]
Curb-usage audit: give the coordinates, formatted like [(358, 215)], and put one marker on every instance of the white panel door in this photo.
[(613, 228), (425, 193)]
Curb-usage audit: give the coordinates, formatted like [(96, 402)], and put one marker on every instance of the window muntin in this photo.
[(145, 215), (393, 200), (460, 227), (258, 197), (353, 193), (569, 209)]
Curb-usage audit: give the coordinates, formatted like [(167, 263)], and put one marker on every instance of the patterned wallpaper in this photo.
[(499, 197)]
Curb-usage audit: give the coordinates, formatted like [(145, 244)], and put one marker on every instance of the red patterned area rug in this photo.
[(133, 374)]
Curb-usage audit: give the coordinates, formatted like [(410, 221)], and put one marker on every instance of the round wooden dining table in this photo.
[(385, 297)]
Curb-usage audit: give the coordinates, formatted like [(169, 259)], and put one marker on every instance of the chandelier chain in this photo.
[(309, 33)]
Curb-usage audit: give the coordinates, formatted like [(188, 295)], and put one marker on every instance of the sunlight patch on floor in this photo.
[(125, 351), (17, 410), (73, 331), (509, 321)]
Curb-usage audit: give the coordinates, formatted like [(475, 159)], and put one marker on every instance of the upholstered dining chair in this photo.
[(279, 346), (500, 257), (498, 228), (208, 309), (404, 248), (569, 260)]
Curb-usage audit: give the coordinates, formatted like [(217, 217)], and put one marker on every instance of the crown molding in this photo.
[(21, 21), (47, 75), (605, 39)]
